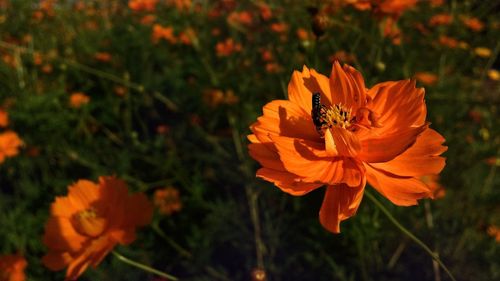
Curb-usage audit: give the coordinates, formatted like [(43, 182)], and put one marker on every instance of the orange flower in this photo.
[(482, 52), (4, 118), (279, 27), (494, 74), (227, 47), (9, 145), (441, 19), (494, 232), (448, 41), (160, 32), (142, 5), (88, 223), (392, 8), (240, 18), (302, 34), (426, 78), (167, 200), (336, 132), (472, 23), (77, 99), (103, 56), (12, 268)]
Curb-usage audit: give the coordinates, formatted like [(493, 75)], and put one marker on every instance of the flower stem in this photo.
[(143, 267), (408, 233)]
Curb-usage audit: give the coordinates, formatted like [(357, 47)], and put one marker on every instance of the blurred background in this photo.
[(161, 93)]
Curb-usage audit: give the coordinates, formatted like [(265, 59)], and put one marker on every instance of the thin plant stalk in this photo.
[(408, 233), (144, 267)]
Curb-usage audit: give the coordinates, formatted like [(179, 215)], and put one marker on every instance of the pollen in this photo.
[(337, 116), (89, 223)]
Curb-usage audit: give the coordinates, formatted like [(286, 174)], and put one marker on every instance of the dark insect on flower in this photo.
[(318, 113)]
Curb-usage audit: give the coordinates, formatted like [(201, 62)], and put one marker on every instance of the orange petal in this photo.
[(421, 159), (303, 84), (139, 210), (398, 104), (387, 147), (63, 207), (114, 192), (60, 235), (87, 257), (56, 260), (287, 119), (340, 203), (402, 191), (330, 146), (311, 164), (83, 193), (347, 87), (346, 142), (266, 157), (286, 181)]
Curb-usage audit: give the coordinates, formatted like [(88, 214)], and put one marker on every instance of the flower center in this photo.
[(88, 222), (325, 117)]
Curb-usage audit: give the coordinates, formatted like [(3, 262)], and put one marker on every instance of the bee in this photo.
[(318, 113)]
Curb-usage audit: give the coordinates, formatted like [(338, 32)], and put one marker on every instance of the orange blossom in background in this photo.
[(88, 223)]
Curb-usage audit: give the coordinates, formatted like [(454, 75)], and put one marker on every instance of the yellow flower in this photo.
[(494, 74), (482, 52)]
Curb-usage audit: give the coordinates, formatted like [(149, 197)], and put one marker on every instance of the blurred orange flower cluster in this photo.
[(227, 47), (142, 5)]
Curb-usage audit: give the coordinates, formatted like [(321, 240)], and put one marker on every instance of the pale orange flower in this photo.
[(335, 132), (160, 32), (103, 56), (482, 52), (227, 47), (12, 268), (9, 145), (240, 18), (302, 34), (426, 78), (167, 200), (77, 99), (472, 23), (279, 27), (494, 232), (142, 5), (4, 118), (448, 41), (441, 19), (90, 221), (393, 8), (494, 74), (215, 97)]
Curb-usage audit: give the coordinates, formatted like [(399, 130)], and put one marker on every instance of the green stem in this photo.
[(143, 266), (169, 240), (408, 233)]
